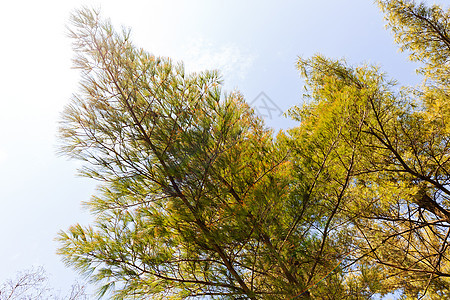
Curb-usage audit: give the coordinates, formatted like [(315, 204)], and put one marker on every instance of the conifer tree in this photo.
[(382, 155), (198, 199), (195, 195)]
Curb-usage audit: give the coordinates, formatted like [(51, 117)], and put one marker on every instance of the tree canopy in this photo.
[(199, 200)]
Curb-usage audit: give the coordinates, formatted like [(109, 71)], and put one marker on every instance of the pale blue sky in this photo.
[(254, 43)]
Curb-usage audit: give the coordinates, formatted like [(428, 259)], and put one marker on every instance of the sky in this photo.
[(254, 44)]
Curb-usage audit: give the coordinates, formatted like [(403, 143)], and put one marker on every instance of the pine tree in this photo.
[(381, 155), (198, 199), (195, 194)]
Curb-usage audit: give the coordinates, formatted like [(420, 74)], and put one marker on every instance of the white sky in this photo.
[(254, 43)]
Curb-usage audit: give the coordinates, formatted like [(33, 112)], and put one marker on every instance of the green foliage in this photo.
[(195, 198), (198, 199), (424, 32), (380, 155)]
